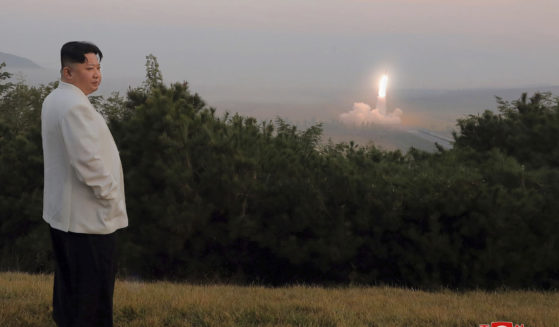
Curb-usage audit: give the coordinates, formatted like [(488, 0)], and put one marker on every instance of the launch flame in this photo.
[(382, 86), (362, 114)]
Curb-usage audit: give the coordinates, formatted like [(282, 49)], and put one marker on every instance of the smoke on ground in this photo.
[(362, 114)]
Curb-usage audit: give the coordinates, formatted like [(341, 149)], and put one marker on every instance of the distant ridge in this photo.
[(387, 137), (13, 61)]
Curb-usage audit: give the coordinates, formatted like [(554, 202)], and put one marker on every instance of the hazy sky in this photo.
[(270, 50)]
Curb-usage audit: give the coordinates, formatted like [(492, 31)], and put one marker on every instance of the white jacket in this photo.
[(84, 185)]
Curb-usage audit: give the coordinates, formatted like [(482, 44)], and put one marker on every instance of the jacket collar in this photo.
[(68, 86)]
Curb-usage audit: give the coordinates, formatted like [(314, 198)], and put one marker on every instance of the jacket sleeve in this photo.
[(81, 135)]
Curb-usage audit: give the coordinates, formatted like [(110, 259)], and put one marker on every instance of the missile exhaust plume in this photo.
[(362, 114), (382, 86)]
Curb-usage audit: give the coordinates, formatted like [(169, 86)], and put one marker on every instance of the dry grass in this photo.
[(25, 300)]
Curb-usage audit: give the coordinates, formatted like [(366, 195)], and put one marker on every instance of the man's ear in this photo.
[(67, 72)]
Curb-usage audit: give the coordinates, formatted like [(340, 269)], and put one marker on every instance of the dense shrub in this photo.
[(228, 198)]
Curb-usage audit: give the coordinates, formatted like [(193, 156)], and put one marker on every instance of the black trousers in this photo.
[(84, 279)]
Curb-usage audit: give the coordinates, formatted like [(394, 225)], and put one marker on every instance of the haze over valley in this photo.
[(430, 114)]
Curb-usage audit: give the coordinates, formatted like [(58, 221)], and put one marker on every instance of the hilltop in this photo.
[(13, 61)]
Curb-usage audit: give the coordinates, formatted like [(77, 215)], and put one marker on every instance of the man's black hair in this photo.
[(74, 52)]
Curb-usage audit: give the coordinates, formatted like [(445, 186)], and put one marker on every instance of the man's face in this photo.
[(86, 76)]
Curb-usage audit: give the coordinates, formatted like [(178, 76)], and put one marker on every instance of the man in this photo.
[(83, 199)]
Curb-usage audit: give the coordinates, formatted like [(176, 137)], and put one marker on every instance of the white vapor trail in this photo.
[(362, 114)]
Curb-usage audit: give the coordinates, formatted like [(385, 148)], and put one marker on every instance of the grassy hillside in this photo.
[(25, 301)]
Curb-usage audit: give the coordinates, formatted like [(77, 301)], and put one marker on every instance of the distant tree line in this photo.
[(231, 199)]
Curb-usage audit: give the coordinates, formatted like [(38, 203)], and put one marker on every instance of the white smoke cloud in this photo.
[(362, 114)]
